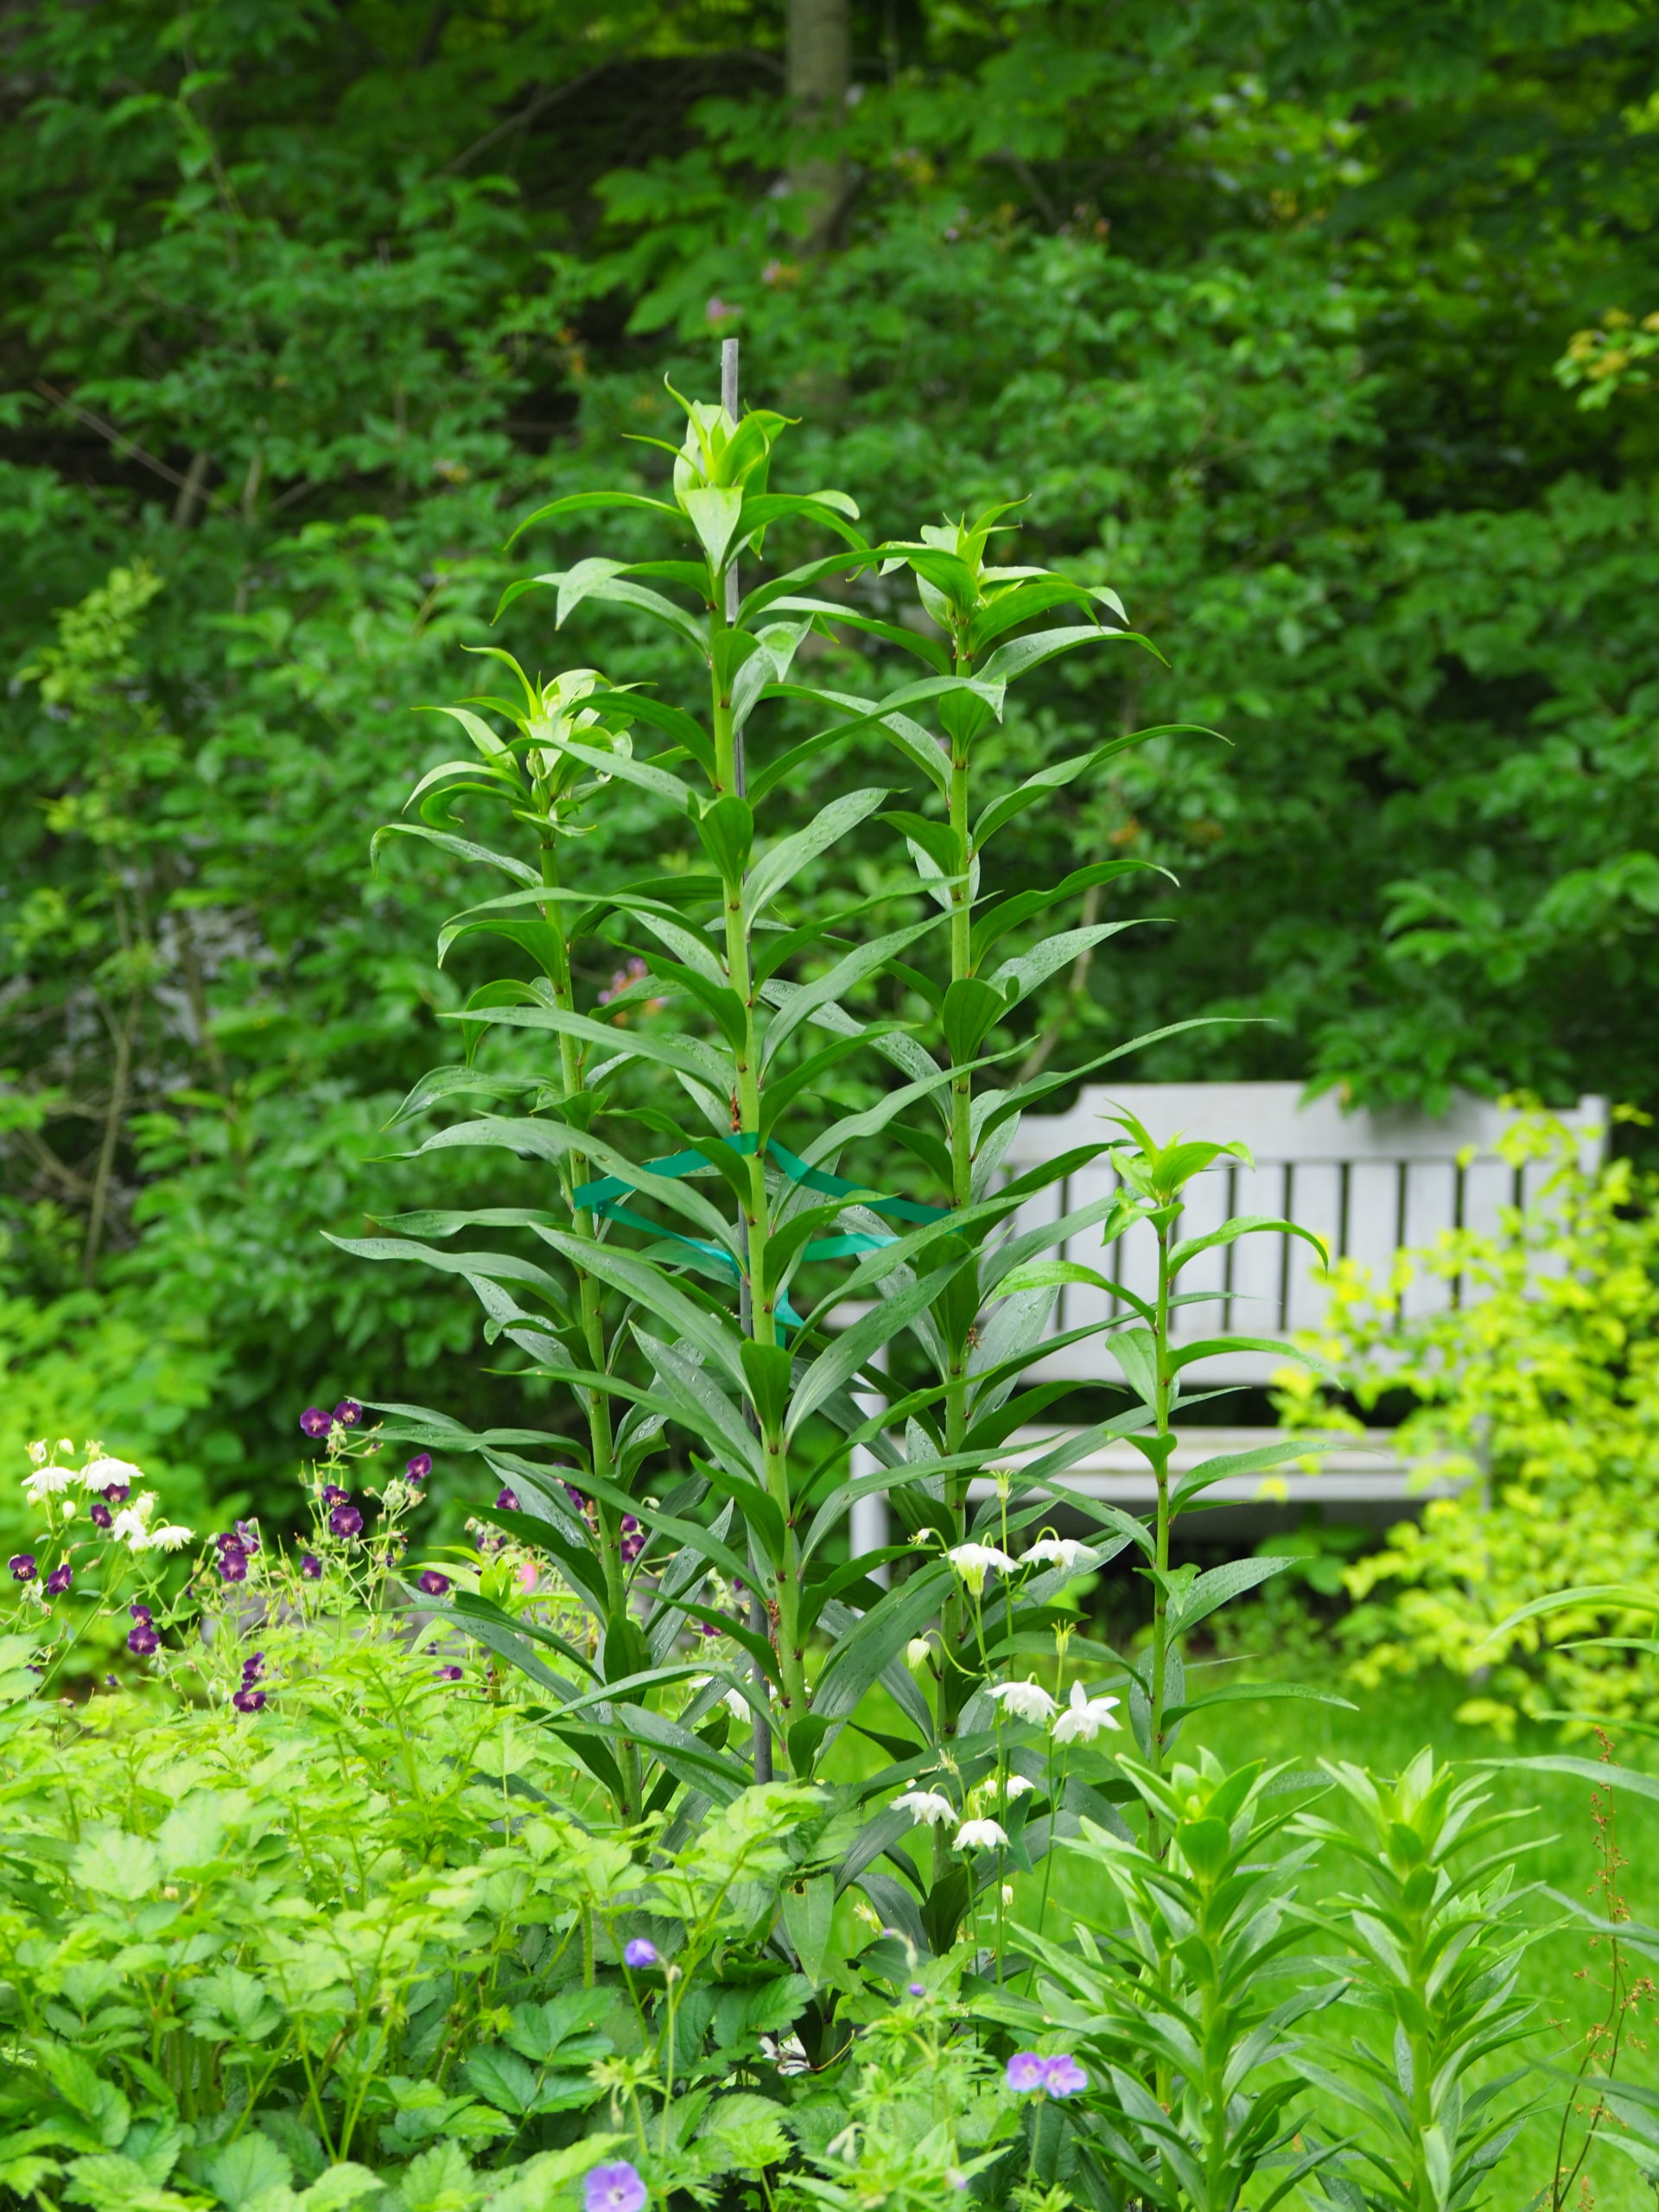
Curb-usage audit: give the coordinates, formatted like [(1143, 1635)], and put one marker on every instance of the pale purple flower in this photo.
[(917, 1988), (22, 1566), (1026, 2071), (59, 1580), (314, 1421), (640, 1952), (417, 1469), (1064, 2077), (433, 1583), (346, 1521), (348, 1413), (613, 2189)]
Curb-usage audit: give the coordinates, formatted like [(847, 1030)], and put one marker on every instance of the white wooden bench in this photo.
[(1366, 1182)]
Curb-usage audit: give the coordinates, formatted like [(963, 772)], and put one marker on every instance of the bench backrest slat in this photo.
[(1367, 1183)]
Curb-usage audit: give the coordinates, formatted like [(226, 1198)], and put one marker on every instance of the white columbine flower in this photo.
[(47, 1482), (973, 1562), (981, 1835), (99, 1474), (37, 1452), (931, 1808), (1057, 1551), (1025, 1701), (131, 1524), (1084, 1718), (1017, 1785), (169, 1537)]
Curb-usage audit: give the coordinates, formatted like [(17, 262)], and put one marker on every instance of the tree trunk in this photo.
[(818, 71)]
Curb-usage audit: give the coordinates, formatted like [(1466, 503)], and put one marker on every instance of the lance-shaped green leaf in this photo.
[(649, 1287), (605, 581), (440, 1083), (553, 1141), (1009, 913), (1016, 979), (1260, 1460), (715, 511), (806, 1000), (840, 1361), (702, 1403), (1061, 773), (627, 770), (1216, 1587), (1021, 655), (863, 1653), (581, 503), (932, 649), (1248, 1225), (698, 1063), (1209, 1346), (462, 848), (494, 1267), (777, 868)]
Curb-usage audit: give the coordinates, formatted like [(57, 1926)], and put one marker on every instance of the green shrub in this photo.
[(1540, 1389)]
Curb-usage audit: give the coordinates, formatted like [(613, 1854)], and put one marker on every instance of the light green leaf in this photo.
[(116, 1864)]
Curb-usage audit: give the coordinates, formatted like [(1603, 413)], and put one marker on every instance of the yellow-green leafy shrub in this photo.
[(1540, 1387)]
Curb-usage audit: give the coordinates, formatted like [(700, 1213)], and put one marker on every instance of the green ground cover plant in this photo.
[(635, 1848)]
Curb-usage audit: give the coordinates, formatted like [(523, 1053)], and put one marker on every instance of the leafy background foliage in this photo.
[(306, 307)]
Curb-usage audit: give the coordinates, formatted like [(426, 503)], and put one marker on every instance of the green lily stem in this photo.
[(758, 1314), (591, 1297), (1165, 1444)]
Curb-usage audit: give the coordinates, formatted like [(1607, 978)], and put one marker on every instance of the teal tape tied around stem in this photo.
[(604, 1196)]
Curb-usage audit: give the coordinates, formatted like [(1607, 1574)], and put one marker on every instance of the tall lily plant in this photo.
[(717, 1293)]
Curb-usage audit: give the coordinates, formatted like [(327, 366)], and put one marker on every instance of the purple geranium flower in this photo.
[(59, 1580), (232, 1563), (142, 1640), (448, 1673), (641, 1952), (332, 1494), (314, 1421), (141, 1613), (1026, 2072), (348, 1413), (116, 1493), (100, 1515), (613, 2189), (417, 1469), (1063, 2076), (246, 1700), (310, 1567), (433, 1583), (247, 1534), (253, 1668), (508, 1503), (346, 1521), (22, 1566)]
